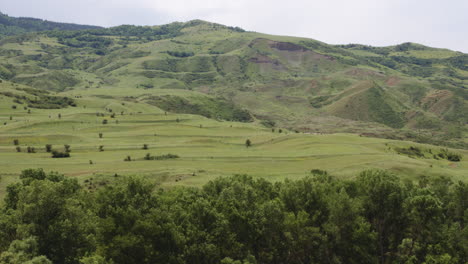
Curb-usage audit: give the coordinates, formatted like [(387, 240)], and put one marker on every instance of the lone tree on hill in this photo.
[(248, 143)]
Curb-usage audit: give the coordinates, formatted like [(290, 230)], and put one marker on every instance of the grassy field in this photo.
[(207, 148)]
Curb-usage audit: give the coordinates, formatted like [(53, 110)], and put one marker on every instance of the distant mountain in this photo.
[(405, 91), (18, 25)]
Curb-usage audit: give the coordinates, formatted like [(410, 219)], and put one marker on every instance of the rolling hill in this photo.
[(199, 90), (407, 91)]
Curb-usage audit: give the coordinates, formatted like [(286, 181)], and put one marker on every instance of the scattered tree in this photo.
[(100, 135), (248, 143), (145, 146), (48, 147), (101, 148), (67, 148), (15, 142)]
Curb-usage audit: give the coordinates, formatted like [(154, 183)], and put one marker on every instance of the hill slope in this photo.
[(407, 91)]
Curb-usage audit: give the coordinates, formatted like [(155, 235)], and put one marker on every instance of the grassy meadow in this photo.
[(206, 148)]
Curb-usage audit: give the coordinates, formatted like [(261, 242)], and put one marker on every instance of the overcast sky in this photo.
[(436, 23)]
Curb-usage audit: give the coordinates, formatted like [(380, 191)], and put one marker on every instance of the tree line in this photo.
[(375, 218)]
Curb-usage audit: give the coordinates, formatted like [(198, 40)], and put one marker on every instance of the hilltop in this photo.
[(10, 26)]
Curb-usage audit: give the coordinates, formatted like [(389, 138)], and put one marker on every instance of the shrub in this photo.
[(161, 157), (48, 147), (248, 143), (145, 146), (104, 122), (100, 135), (31, 150), (15, 142), (101, 148), (128, 158), (67, 148), (450, 156), (411, 151), (319, 172), (18, 149), (59, 154)]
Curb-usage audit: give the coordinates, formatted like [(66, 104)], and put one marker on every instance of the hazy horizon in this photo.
[(383, 23)]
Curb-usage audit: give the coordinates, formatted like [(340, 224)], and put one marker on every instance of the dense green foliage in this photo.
[(218, 108), (14, 26), (40, 99), (318, 219)]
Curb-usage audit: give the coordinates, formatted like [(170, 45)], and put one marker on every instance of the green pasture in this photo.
[(207, 148)]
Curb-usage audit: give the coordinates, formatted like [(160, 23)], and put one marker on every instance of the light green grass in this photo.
[(215, 149)]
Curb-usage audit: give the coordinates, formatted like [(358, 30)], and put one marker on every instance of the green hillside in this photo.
[(408, 91), (199, 90)]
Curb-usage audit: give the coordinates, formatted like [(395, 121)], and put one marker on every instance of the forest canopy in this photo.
[(376, 218)]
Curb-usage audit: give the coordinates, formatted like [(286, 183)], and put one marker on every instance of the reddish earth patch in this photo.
[(437, 101), (392, 81), (263, 59), (286, 46), (412, 114)]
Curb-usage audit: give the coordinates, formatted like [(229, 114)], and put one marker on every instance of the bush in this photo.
[(15, 142), (67, 148), (48, 147), (411, 151), (450, 156), (319, 172), (161, 157), (59, 154), (31, 150)]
